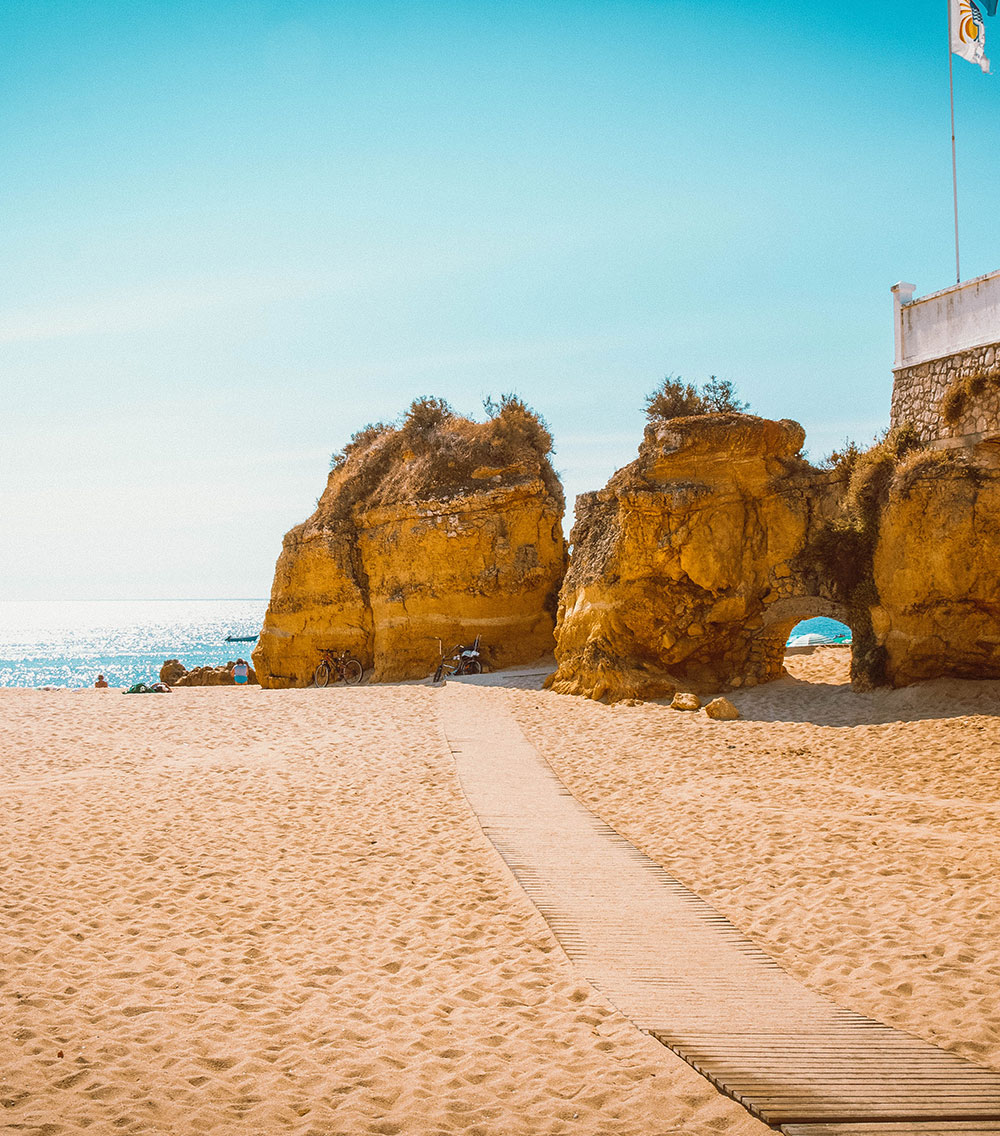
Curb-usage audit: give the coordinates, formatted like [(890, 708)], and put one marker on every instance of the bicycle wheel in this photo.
[(321, 675), (472, 667), (352, 672), (439, 673)]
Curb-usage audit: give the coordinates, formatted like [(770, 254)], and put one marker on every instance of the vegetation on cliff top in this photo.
[(432, 453), (674, 398)]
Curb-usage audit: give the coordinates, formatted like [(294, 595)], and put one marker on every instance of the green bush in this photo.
[(433, 454), (719, 397), (957, 395), (674, 398), (517, 425), (844, 459), (872, 474)]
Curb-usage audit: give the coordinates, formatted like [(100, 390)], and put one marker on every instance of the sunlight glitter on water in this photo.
[(68, 642)]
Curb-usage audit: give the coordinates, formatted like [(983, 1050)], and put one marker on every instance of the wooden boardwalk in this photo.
[(685, 974)]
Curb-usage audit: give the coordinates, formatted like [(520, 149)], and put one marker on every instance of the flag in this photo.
[(968, 32)]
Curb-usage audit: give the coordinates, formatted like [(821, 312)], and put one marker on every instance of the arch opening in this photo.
[(818, 631), (799, 625)]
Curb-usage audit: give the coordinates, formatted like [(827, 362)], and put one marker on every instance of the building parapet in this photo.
[(946, 377), (944, 323)]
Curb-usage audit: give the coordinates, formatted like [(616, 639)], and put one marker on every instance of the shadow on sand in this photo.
[(837, 704), (816, 702)]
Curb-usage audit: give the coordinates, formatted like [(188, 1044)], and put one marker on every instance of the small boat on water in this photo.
[(241, 638)]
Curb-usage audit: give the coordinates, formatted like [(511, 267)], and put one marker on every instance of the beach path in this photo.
[(685, 974)]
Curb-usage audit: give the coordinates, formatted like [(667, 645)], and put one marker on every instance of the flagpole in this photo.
[(954, 163)]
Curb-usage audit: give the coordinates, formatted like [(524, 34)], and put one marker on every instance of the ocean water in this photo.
[(821, 626), (68, 642)]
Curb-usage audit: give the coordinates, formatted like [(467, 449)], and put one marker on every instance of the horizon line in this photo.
[(142, 599)]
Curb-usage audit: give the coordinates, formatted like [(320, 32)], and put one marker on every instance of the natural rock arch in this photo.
[(777, 623), (689, 563), (692, 565), (794, 609)]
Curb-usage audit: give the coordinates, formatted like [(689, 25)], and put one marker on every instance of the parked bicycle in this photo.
[(462, 661), (342, 666)]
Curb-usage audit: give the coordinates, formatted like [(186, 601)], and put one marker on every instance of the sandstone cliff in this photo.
[(441, 528), (685, 570), (937, 571), (694, 563)]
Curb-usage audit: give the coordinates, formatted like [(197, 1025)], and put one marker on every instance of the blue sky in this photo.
[(234, 233)]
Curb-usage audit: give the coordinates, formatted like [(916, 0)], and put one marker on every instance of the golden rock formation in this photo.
[(440, 529), (689, 569), (937, 572), (692, 566), (685, 571)]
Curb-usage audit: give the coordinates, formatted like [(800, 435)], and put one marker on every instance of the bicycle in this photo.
[(342, 666), (462, 661)]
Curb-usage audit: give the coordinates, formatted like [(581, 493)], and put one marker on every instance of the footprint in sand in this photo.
[(218, 1064)]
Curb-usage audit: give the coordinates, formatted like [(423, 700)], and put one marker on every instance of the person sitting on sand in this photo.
[(101, 683), (241, 672)]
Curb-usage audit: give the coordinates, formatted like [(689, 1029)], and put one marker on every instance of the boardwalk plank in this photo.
[(888, 1127), (687, 976)]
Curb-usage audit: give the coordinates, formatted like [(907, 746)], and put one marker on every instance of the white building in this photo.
[(947, 366)]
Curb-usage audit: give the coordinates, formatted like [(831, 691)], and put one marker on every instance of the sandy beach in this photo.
[(234, 910), (852, 836)]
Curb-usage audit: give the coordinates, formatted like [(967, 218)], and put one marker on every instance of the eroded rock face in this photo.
[(685, 567), (429, 532), (691, 568), (937, 571), (319, 599), (488, 563)]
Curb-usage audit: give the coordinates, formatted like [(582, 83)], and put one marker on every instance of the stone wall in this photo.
[(918, 392)]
